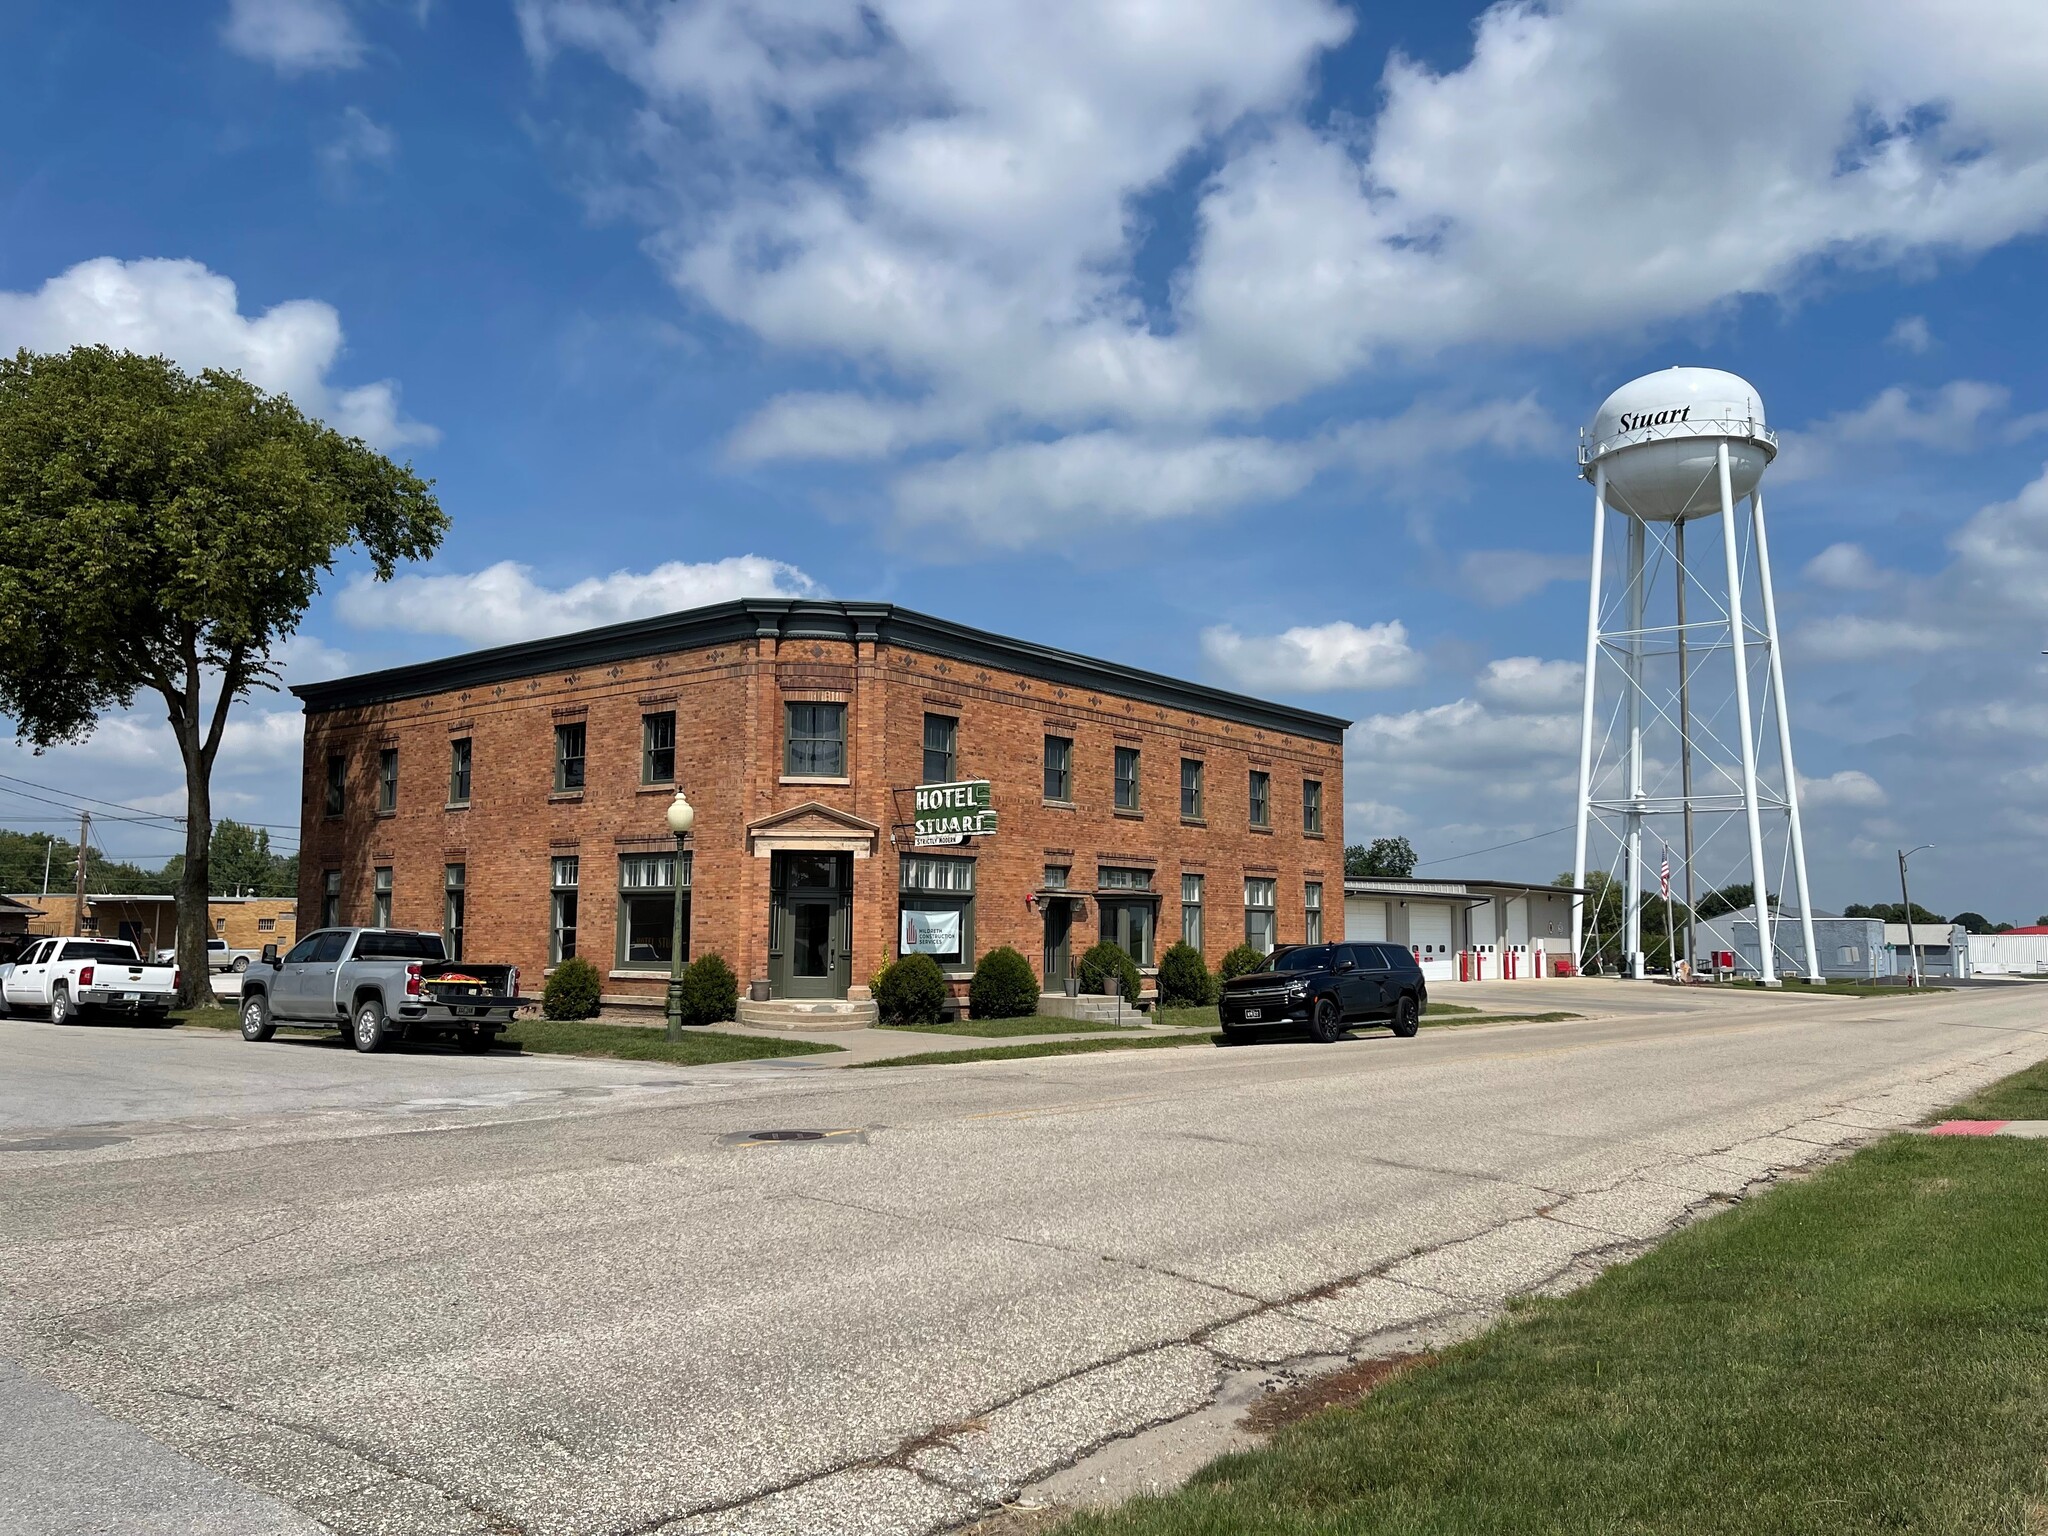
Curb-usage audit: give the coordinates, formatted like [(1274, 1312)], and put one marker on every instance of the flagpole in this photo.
[(1670, 937)]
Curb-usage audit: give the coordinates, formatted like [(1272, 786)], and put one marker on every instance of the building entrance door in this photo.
[(810, 924), (1059, 927)]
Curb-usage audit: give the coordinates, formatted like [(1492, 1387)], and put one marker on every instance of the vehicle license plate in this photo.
[(1252, 1013), (131, 997)]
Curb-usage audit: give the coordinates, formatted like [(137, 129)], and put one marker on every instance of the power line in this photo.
[(1496, 848), (90, 799)]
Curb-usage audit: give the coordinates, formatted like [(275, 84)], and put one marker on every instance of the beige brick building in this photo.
[(517, 796)]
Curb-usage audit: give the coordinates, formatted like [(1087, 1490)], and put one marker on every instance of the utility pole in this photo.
[(1912, 949), (78, 895)]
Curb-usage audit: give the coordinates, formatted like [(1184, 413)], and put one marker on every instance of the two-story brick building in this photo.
[(515, 799)]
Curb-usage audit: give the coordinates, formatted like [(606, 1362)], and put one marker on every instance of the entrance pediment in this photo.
[(812, 827)]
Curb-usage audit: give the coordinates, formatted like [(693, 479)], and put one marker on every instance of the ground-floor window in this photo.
[(330, 899), (1191, 910), (650, 884), (380, 897), (454, 886), (1259, 913), (1312, 899), (562, 918), (936, 909)]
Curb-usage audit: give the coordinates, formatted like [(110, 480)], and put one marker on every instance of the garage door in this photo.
[(1429, 933), (1365, 919)]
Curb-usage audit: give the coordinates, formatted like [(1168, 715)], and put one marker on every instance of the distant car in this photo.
[(219, 957), (67, 977), (1325, 989), (378, 985)]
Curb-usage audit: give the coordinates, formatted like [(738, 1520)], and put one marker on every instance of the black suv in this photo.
[(1327, 988)]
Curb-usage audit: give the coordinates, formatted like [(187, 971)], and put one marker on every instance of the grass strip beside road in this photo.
[(1862, 1351), (2023, 1096), (997, 1029), (1082, 1047)]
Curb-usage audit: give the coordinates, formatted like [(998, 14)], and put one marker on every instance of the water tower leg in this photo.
[(1632, 927), (1685, 740), (1586, 723), (1766, 960), (1784, 710)]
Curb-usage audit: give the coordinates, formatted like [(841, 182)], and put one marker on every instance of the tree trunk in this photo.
[(195, 922)]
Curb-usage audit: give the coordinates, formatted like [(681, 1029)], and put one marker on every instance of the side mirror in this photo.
[(1342, 966), (270, 954)]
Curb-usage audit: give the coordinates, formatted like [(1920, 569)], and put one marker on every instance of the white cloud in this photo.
[(2001, 564), (1500, 577), (1531, 685), (1852, 637), (1850, 787), (359, 141), (293, 36), (1464, 736), (1911, 335), (503, 603), (1027, 493), (1367, 819), (192, 315), (1315, 659), (1845, 568), (1952, 419)]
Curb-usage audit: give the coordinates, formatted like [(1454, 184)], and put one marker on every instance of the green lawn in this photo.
[(1793, 988), (1865, 1351), (628, 1042), (997, 1029), (1082, 1047), (2023, 1096)]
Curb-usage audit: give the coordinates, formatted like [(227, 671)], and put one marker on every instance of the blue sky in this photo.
[(1241, 339)]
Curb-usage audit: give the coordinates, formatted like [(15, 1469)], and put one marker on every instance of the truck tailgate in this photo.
[(457, 983)]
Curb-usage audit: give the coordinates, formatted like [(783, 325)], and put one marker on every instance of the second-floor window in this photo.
[(941, 738), (1312, 812), (1059, 768), (1262, 798), (658, 748), (814, 741), (458, 771), (1127, 778), (570, 739), (337, 783), (387, 779), (1191, 788)]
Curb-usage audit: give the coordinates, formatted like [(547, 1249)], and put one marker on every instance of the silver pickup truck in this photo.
[(377, 986)]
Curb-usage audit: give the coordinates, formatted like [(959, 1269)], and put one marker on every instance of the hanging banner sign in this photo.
[(946, 814), (930, 933)]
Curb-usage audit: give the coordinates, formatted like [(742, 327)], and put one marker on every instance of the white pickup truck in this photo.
[(218, 957), (67, 977)]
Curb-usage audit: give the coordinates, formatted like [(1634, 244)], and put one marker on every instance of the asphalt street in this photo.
[(426, 1292)]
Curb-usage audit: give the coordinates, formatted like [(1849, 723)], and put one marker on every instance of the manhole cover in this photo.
[(785, 1135), (61, 1143)]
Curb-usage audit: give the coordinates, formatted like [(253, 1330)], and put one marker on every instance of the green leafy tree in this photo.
[(239, 861), (22, 861), (1382, 856), (1974, 922), (1895, 912), (164, 533)]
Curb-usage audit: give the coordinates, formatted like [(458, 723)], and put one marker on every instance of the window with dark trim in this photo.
[(648, 893), (941, 739), (1260, 918), (380, 897), (458, 771), (564, 876), (1261, 798), (1312, 810), (1191, 910), (935, 909), (454, 905), (658, 747), (337, 783), (1059, 768), (387, 780), (1127, 778), (1191, 789), (330, 898), (570, 740), (1312, 902), (814, 741)]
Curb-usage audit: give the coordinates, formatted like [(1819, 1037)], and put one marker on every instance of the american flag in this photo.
[(1664, 874)]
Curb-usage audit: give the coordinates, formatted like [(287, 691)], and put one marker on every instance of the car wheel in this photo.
[(241, 964), (1328, 1027), (368, 1032), (1407, 1018), (61, 1011), (256, 1023)]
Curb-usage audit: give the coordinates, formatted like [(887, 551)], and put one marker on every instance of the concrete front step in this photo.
[(808, 1014), (1092, 1007)]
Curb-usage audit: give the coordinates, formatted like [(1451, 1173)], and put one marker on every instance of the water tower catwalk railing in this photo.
[(1614, 792)]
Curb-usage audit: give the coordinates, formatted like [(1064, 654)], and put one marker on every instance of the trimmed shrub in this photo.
[(1183, 978), (571, 992), (711, 993), (1241, 961), (1004, 986), (1104, 961), (912, 990)]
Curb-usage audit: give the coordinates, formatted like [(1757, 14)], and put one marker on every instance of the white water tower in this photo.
[(1683, 683)]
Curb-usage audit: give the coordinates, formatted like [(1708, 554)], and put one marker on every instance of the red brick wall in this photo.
[(728, 700)]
